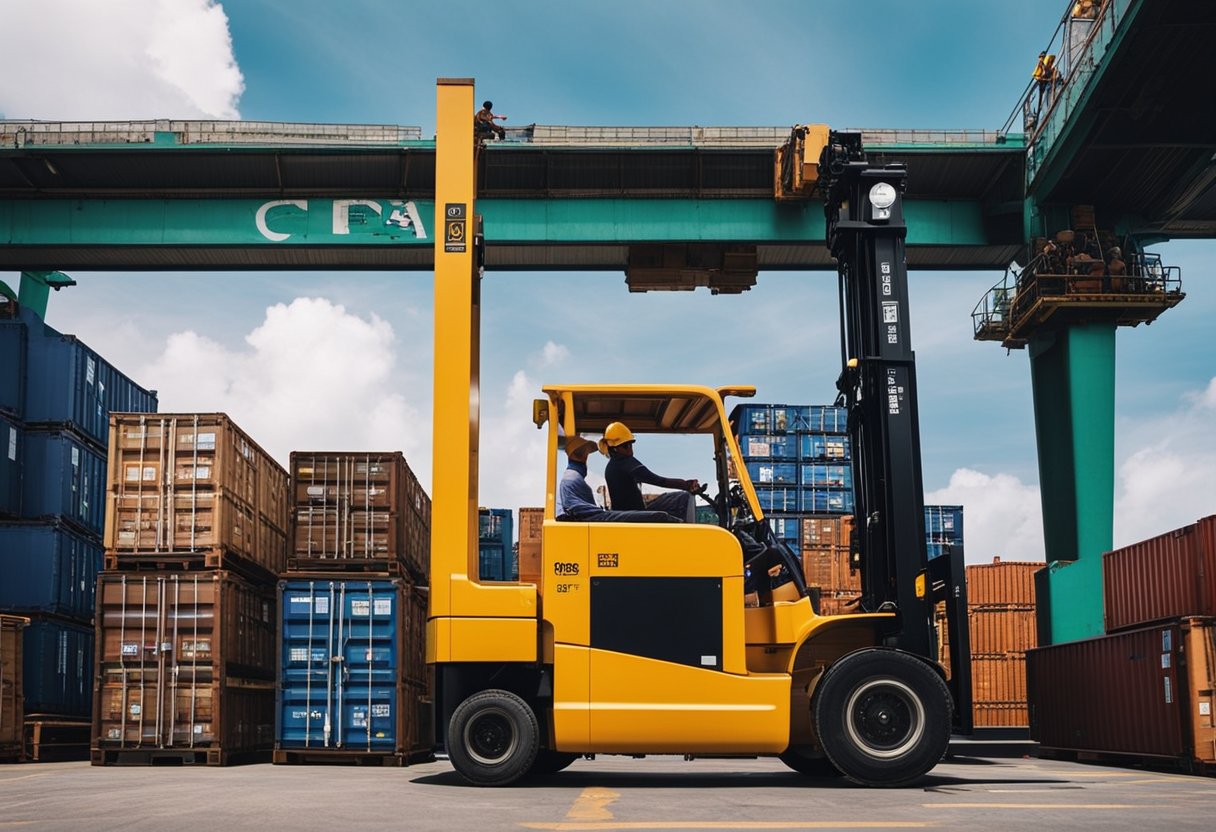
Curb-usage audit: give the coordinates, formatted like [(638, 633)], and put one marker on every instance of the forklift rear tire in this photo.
[(809, 764), (551, 762), (493, 738), (883, 717)]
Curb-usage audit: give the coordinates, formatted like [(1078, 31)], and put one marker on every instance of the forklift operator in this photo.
[(577, 501), (625, 473)]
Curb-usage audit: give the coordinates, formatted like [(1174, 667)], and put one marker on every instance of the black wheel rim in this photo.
[(884, 718), (490, 736)]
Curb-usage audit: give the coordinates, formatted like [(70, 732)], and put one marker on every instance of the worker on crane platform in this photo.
[(483, 123), (1046, 75)]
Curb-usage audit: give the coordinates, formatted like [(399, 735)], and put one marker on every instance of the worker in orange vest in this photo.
[(1045, 75)]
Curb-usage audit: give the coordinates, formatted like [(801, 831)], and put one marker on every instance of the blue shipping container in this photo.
[(64, 477), (496, 526), (752, 419), (773, 473), (341, 665), (786, 528), (48, 568), (12, 365), (769, 447), (944, 523), (68, 382), (777, 498), (12, 450), (58, 664), (818, 475), (826, 501), (826, 447), (828, 419), (495, 563)]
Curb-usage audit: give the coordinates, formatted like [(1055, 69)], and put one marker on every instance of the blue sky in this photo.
[(343, 360)]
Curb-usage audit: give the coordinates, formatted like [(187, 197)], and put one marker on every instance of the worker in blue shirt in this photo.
[(576, 500), (625, 474)]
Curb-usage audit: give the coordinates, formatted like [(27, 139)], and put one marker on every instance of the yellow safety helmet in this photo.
[(615, 434)]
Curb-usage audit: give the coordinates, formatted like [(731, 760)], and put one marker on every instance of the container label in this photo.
[(206, 442), (381, 710), (135, 709), (358, 717), (1167, 641), (89, 370), (1205, 708), (383, 606), (12, 443), (360, 607), (322, 605), (298, 654), (1165, 661), (130, 648), (298, 599), (1169, 691)]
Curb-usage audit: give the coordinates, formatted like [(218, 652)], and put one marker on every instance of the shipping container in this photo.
[(12, 704), (778, 498), (64, 477), (827, 567), (998, 691), (1144, 694), (68, 383), (773, 473), (495, 563), (185, 668), (838, 603), (183, 485), (12, 367), (495, 526), (531, 527), (819, 475), (827, 531), (996, 631), (826, 501), (58, 667), (371, 630), (825, 447), (48, 568), (1168, 576), (12, 452), (944, 523), (358, 506), (1001, 584), (769, 447), (786, 527)]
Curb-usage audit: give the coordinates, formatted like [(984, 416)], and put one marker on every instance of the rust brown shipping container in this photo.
[(531, 527), (998, 691), (826, 531), (185, 668), (12, 711), (1001, 584), (1165, 577), (183, 452), (996, 631), (829, 570), (359, 506), (1146, 693)]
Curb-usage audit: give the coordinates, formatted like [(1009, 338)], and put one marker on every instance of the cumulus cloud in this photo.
[(122, 60), (553, 354), (311, 376), (512, 453), (1002, 515), (1168, 477)]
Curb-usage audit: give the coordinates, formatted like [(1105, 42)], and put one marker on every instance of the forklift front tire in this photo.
[(493, 738), (883, 717)]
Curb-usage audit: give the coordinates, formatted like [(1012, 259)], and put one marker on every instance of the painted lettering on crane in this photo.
[(394, 214)]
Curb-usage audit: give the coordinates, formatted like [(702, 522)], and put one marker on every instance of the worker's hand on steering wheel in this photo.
[(694, 486)]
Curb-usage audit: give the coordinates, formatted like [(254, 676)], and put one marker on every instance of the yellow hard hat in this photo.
[(615, 434)]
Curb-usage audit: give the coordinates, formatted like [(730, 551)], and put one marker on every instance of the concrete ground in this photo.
[(608, 793)]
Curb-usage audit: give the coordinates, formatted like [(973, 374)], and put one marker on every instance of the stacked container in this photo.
[(943, 529), (56, 396), (1146, 689), (1001, 618), (531, 526), (12, 741), (495, 536), (353, 684), (195, 537), (825, 562)]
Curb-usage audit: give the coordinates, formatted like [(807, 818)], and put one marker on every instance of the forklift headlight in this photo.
[(882, 197)]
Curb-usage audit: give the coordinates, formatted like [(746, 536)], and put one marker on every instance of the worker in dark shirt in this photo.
[(625, 474), (577, 502)]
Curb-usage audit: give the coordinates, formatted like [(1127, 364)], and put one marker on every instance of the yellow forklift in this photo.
[(637, 639)]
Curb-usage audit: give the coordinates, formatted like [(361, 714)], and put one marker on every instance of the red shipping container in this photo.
[(1143, 693), (1169, 576)]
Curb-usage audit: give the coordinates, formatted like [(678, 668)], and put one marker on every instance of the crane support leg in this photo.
[(1073, 376)]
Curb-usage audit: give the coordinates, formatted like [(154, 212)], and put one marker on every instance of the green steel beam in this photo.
[(1073, 381), (380, 222), (35, 289)]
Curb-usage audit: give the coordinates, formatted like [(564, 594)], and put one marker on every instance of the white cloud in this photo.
[(311, 377), (118, 60), (512, 452), (1002, 516), (1168, 479), (553, 353)]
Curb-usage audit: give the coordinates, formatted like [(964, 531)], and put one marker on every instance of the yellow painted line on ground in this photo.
[(1148, 780), (592, 804), (722, 824), (1090, 773), (24, 777), (1039, 806)]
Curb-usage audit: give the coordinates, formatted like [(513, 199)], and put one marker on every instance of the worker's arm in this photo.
[(641, 474)]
